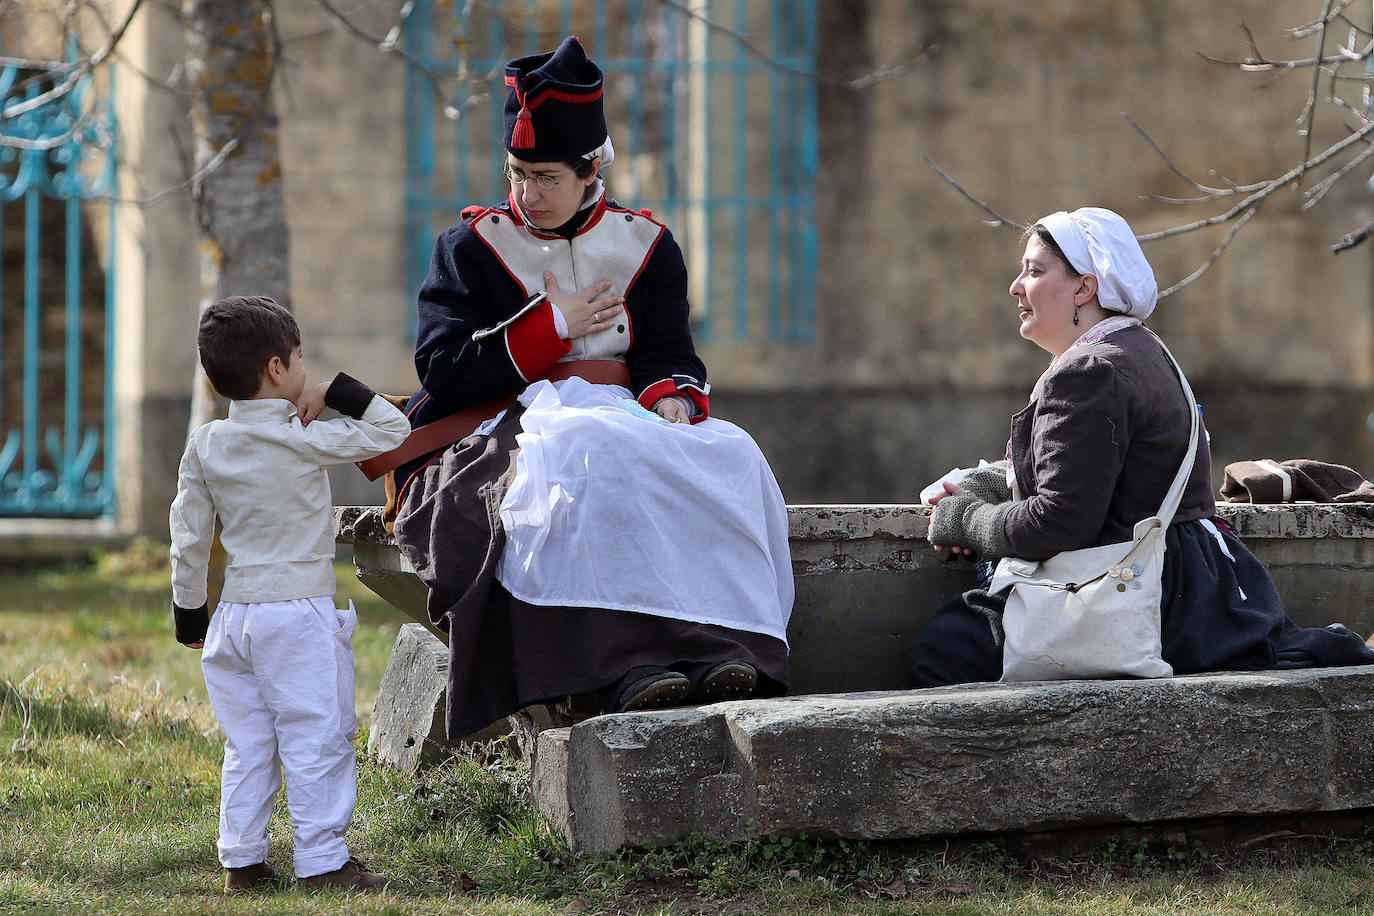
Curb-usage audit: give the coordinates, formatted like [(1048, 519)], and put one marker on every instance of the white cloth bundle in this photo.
[(612, 507)]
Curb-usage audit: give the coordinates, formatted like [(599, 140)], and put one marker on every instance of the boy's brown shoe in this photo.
[(249, 879), (350, 876)]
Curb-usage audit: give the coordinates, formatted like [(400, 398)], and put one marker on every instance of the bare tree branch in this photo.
[(193, 183), (1328, 16), (48, 143), (1212, 259), (390, 44), (74, 75), (1351, 239), (1311, 110), (1269, 187), (1212, 193), (862, 82), (997, 218), (1355, 28), (393, 34), (29, 63), (1314, 194), (1258, 62)]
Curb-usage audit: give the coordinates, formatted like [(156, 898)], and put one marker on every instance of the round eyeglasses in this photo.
[(547, 182)]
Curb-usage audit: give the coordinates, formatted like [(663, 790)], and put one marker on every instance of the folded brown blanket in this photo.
[(1267, 481)]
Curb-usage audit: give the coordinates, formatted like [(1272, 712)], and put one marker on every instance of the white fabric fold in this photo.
[(560, 321), (614, 507)]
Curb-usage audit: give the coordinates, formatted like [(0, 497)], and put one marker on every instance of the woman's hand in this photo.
[(671, 409), (584, 312), (951, 489)]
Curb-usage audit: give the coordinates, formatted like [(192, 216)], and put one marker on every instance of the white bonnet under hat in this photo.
[(1098, 241), (606, 151)]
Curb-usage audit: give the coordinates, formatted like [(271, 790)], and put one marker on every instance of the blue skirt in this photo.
[(1218, 614)]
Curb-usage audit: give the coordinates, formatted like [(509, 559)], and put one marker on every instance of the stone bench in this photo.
[(866, 580), (851, 754), (979, 758)]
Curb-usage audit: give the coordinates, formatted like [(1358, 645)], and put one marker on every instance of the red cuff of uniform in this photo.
[(667, 388), (702, 401), (533, 342)]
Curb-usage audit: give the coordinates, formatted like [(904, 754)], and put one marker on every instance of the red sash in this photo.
[(456, 426)]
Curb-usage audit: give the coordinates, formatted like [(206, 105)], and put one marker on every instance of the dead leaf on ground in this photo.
[(894, 889), (958, 888)]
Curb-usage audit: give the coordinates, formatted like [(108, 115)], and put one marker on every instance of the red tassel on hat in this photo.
[(522, 136)]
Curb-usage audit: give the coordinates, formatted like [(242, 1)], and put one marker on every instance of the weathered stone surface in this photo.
[(549, 775), (999, 757), (1300, 520), (408, 716), (867, 581)]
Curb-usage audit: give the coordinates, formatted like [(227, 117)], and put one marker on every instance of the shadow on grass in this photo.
[(45, 712), (29, 713)]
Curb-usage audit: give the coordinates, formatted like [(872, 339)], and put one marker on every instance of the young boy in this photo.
[(277, 657)]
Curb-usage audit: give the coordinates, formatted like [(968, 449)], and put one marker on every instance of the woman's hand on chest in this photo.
[(587, 311)]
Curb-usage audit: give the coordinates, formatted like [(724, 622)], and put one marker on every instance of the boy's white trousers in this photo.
[(280, 677)]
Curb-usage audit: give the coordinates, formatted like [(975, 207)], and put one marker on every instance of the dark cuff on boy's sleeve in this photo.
[(348, 396), (191, 623)]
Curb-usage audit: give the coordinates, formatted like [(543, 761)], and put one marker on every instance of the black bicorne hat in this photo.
[(553, 105)]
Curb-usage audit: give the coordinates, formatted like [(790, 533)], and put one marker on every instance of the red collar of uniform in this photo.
[(597, 210)]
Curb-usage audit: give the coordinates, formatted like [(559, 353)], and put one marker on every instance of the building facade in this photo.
[(851, 305)]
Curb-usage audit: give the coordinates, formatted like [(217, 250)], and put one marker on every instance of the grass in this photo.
[(109, 768)]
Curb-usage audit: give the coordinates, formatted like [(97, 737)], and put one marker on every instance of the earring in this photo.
[(1075, 316)]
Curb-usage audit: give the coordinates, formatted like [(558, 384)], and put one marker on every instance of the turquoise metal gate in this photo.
[(713, 120), (57, 176)]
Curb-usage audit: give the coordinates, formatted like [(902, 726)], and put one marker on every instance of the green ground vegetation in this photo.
[(109, 767)]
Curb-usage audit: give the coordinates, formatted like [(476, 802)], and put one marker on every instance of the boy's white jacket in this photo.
[(263, 474)]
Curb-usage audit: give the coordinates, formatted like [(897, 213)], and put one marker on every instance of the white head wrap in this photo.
[(1098, 242), (606, 151)]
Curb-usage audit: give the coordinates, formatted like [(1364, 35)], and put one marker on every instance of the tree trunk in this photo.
[(231, 57)]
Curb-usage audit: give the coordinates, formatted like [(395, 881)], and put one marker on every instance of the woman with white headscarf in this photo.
[(1094, 452)]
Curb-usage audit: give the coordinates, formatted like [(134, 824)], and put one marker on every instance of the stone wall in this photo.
[(156, 272), (916, 365)]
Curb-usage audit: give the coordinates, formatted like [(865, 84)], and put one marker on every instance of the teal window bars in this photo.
[(712, 110), (57, 179)]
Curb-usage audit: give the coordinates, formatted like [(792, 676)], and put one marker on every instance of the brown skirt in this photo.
[(531, 654), (505, 654)]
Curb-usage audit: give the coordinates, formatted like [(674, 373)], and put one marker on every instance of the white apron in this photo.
[(613, 507)]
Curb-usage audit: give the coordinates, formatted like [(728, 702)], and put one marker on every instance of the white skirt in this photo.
[(613, 507)]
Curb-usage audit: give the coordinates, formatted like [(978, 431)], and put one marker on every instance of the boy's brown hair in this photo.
[(237, 337)]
